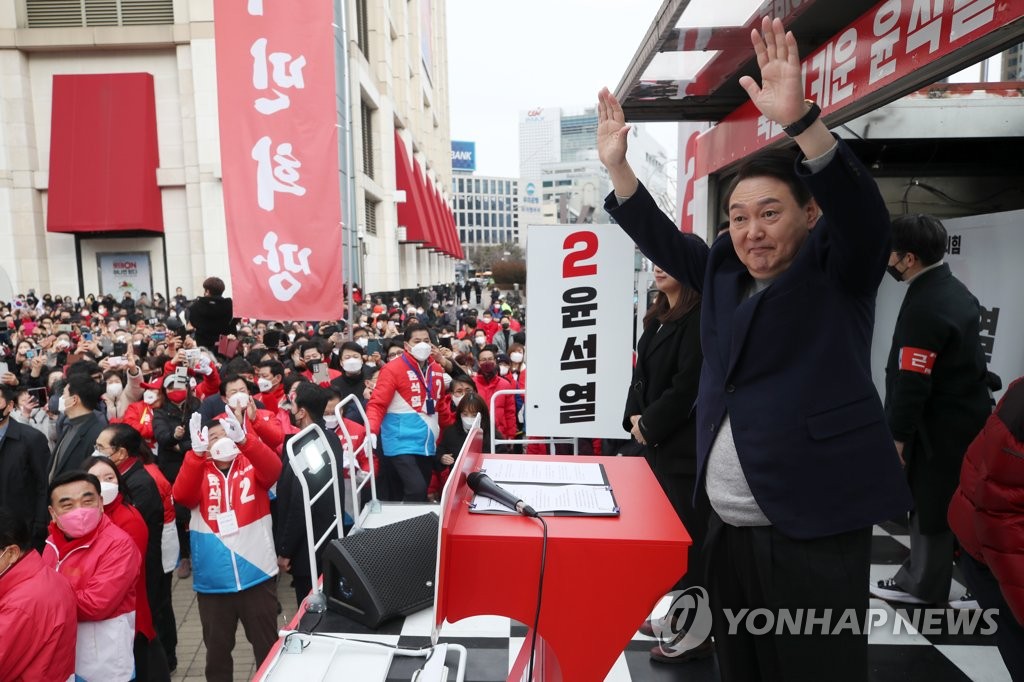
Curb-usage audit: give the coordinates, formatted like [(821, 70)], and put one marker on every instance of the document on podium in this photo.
[(551, 488), (564, 473), (559, 500)]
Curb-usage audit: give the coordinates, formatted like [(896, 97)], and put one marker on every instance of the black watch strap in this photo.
[(805, 121)]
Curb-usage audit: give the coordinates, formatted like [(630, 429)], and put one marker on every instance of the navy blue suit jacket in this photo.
[(791, 364)]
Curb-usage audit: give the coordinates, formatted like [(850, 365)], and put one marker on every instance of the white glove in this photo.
[(347, 460), (205, 367), (373, 440), (232, 429), (199, 434)]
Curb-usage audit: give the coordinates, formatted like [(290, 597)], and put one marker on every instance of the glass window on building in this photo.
[(487, 220), (546, 183), (501, 220), (476, 185), (479, 239), (469, 219), (494, 237), (479, 220)]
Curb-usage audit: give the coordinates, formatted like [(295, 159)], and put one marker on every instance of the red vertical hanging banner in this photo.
[(279, 157)]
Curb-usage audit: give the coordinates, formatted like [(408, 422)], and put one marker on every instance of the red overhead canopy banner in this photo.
[(279, 156), (423, 202), (410, 211), (103, 155), (896, 42)]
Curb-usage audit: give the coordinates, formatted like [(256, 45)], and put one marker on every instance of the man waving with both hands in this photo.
[(793, 451)]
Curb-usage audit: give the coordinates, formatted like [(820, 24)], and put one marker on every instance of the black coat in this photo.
[(145, 497), (290, 526), (452, 439), (936, 405), (170, 450), (663, 392), (24, 454), (211, 316), (82, 445)]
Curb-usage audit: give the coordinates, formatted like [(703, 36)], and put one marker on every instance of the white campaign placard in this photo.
[(984, 253), (121, 272), (580, 284)]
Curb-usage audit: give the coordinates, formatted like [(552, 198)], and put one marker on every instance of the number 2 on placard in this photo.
[(572, 265)]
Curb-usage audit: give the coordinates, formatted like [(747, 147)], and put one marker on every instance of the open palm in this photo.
[(780, 97), (611, 130)]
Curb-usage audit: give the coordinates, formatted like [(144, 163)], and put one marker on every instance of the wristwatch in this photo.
[(805, 121)]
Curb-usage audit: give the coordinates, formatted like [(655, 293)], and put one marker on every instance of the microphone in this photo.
[(482, 484)]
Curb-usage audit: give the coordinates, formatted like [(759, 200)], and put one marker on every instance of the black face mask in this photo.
[(894, 272)]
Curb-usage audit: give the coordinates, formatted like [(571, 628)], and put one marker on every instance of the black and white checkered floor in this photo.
[(494, 642)]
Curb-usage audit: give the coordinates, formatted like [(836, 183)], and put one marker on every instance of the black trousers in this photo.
[(1009, 633), (760, 568), (679, 491), (407, 476)]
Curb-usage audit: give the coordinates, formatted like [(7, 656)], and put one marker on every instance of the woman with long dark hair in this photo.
[(659, 416)]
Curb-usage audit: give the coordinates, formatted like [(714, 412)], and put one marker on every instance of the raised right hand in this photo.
[(612, 130)]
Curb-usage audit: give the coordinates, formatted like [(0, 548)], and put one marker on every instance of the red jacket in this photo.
[(490, 328), (272, 400), (504, 405), (139, 416), (102, 568), (38, 622), (128, 519), (209, 385), (266, 427), (987, 510)]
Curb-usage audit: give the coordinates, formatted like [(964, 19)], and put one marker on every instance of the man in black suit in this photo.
[(78, 402), (792, 446), (23, 456), (936, 400)]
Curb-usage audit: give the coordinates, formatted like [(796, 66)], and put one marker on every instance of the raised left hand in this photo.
[(780, 97)]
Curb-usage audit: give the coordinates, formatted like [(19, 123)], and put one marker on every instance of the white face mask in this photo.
[(363, 341), (421, 351), (515, 357), (467, 422), (291, 336), (224, 450), (456, 399), (114, 390), (239, 401), (503, 370), (62, 405), (352, 365), (264, 385), (331, 421), (480, 340), (149, 397), (108, 491), (447, 379)]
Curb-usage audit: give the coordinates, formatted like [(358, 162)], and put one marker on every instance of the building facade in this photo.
[(486, 210), (51, 49), (562, 178)]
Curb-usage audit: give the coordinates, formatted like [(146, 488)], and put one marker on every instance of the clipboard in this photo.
[(486, 506)]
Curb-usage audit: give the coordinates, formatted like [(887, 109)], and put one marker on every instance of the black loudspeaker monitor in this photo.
[(380, 573)]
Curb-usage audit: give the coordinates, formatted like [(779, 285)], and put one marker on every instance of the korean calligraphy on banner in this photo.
[(279, 157), (580, 374), (892, 42)]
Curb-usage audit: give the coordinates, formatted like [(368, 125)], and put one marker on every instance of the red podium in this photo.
[(604, 575)]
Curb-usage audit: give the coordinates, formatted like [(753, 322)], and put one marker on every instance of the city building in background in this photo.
[(487, 210), (562, 179), (153, 216)]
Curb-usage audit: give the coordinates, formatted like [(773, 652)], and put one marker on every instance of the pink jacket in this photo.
[(38, 623), (102, 568)]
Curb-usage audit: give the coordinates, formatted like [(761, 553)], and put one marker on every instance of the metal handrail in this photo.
[(551, 441), (353, 466)]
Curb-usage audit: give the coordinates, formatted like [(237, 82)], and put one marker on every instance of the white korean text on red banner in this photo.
[(279, 157)]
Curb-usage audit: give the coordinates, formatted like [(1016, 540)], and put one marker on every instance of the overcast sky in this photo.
[(504, 57)]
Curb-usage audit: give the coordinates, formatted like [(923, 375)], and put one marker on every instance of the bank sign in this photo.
[(463, 156)]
